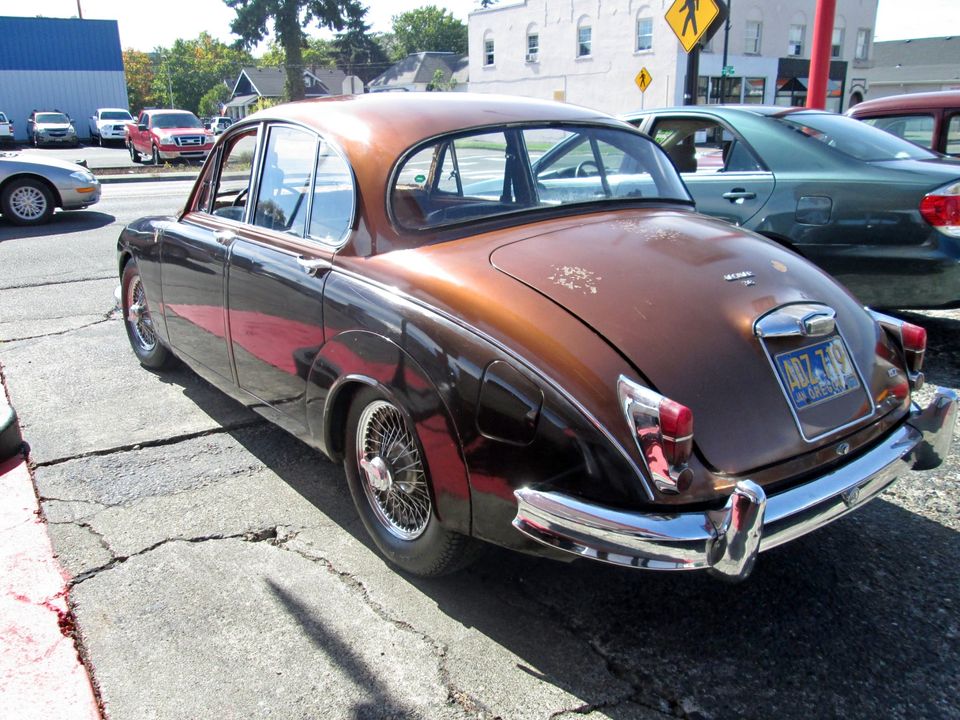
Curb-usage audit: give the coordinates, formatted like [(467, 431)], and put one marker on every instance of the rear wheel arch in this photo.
[(782, 240), (332, 388)]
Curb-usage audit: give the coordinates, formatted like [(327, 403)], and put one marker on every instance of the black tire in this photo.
[(412, 540), (134, 155), (27, 202), (138, 322), (155, 156)]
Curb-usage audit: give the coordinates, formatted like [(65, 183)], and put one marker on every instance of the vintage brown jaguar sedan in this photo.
[(504, 315)]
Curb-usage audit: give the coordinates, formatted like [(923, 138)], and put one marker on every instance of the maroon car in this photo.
[(507, 321), (931, 119)]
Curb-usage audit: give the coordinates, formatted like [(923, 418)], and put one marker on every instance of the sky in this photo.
[(146, 26)]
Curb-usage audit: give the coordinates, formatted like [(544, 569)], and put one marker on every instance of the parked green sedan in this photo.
[(879, 213)]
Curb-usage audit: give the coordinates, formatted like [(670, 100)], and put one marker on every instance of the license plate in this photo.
[(817, 373)]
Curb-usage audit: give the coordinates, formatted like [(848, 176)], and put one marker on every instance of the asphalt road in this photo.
[(219, 569)]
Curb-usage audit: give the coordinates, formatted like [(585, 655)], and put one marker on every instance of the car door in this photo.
[(722, 172), (301, 211), (194, 258)]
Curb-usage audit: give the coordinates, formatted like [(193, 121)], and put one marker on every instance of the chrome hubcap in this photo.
[(138, 317), (393, 476), (28, 203)]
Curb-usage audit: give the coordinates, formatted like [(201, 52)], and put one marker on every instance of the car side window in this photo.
[(331, 214), (952, 144), (233, 182), (915, 128), (703, 146), (285, 180)]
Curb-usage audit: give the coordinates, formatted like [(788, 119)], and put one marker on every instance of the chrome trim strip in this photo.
[(727, 541)]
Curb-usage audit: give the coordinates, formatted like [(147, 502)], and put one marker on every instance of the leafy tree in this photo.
[(428, 29), (140, 70), (289, 18), (191, 67), (213, 99), (357, 51), (316, 53), (440, 81), (486, 3)]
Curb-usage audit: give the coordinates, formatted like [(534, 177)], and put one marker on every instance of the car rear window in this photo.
[(918, 129), (854, 138), (486, 173)]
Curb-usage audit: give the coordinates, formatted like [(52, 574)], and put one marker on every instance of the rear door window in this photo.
[(952, 141), (285, 181)]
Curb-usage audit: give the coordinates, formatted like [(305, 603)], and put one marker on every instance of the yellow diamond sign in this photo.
[(643, 79), (690, 19)]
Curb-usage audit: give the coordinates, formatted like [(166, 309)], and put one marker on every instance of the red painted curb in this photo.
[(41, 675)]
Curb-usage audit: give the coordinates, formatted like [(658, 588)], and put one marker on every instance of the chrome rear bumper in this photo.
[(727, 541)]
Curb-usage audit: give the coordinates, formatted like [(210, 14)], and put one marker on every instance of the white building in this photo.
[(589, 52)]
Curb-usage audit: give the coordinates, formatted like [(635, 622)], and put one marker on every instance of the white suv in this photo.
[(6, 129), (109, 124)]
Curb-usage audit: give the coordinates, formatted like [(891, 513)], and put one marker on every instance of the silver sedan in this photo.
[(30, 188)]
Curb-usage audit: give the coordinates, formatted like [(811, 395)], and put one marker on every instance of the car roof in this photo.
[(910, 101), (721, 110), (396, 121)]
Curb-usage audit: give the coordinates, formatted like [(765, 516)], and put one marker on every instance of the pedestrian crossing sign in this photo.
[(643, 79), (690, 20)]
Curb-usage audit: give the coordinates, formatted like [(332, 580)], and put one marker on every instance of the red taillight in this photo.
[(676, 431), (914, 340), (941, 208)]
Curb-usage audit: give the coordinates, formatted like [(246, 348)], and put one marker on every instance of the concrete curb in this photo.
[(146, 177)]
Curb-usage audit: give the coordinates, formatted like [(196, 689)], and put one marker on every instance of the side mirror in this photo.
[(141, 127)]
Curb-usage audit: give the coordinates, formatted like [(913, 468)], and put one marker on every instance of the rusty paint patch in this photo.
[(575, 278)]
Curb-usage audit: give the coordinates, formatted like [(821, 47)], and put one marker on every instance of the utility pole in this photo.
[(79, 10)]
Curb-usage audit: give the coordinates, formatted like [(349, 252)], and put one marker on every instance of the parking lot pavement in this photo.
[(217, 567)]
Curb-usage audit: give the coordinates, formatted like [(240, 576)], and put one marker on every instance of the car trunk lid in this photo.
[(679, 295)]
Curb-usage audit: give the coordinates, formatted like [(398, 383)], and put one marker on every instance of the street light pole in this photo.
[(726, 42)]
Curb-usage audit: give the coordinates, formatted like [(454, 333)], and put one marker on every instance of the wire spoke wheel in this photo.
[(137, 316), (392, 471)]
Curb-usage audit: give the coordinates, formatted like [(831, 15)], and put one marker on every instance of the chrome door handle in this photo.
[(224, 237), (312, 265), (739, 194)]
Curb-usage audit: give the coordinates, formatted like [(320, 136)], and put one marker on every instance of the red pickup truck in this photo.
[(168, 135)]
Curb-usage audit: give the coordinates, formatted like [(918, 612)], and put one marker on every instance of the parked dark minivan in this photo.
[(931, 120)]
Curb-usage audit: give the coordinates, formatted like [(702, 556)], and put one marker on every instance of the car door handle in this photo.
[(739, 194), (224, 237), (312, 265)]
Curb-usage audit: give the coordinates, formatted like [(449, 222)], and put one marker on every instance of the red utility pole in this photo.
[(820, 54)]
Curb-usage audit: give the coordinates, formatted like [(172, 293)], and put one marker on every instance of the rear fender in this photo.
[(356, 358)]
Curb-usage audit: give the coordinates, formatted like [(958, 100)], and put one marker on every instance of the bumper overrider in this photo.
[(727, 541)]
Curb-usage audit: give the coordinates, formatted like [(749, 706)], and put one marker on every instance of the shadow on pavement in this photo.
[(62, 223)]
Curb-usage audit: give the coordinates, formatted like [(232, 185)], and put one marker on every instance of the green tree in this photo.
[(213, 99), (317, 52), (289, 18), (441, 81), (428, 29), (140, 70), (357, 52), (191, 67)]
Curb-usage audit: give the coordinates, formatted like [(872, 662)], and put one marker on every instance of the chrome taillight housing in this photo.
[(663, 429), (913, 342)]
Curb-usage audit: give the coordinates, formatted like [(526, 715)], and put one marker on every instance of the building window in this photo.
[(754, 89), (584, 40), (863, 44), (795, 44), (751, 43), (644, 34), (488, 52), (533, 46), (836, 47)]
